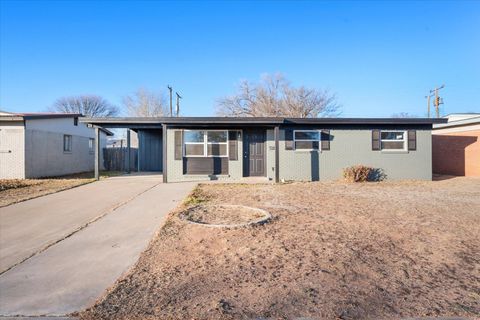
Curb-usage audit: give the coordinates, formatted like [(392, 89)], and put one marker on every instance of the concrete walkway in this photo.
[(30, 226), (72, 273)]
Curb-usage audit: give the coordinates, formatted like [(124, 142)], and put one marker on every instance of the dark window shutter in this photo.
[(232, 145), (325, 139), (412, 140), (288, 139), (376, 139), (178, 144)]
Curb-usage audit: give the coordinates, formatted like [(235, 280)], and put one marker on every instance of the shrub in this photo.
[(6, 184), (358, 173)]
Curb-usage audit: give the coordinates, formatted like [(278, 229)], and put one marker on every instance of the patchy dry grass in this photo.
[(196, 197), (333, 250), (17, 190), (6, 184)]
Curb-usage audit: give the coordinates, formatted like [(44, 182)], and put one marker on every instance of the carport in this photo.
[(150, 141)]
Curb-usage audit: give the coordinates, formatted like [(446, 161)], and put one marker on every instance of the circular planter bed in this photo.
[(225, 215)]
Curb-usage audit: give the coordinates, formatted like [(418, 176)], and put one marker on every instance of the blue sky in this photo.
[(379, 58)]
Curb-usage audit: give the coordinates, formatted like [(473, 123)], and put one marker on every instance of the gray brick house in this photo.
[(302, 149)]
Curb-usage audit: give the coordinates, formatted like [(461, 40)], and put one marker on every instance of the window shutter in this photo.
[(232, 145), (325, 136), (376, 140), (178, 144), (288, 139), (412, 140)]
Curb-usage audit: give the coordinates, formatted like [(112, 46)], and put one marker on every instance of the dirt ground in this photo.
[(16, 190), (332, 250)]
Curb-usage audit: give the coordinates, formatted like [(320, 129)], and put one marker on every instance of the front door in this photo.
[(254, 153)]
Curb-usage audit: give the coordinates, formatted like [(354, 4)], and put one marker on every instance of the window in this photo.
[(203, 143), (91, 145), (306, 139), (67, 143), (194, 143), (75, 121), (217, 143), (393, 140)]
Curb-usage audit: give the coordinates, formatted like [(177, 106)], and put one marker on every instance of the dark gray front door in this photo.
[(254, 153)]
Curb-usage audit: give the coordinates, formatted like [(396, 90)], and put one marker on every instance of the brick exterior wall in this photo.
[(457, 153)]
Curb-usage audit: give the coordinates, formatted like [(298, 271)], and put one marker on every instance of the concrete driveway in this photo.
[(61, 251)]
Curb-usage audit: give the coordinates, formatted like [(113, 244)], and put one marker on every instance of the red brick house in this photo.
[(456, 145)]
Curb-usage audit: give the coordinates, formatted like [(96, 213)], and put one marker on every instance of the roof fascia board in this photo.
[(11, 118), (51, 116), (207, 121)]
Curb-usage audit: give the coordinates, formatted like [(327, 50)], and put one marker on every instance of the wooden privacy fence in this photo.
[(115, 159)]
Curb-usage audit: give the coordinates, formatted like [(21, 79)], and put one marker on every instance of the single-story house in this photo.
[(277, 148), (34, 145), (456, 145)]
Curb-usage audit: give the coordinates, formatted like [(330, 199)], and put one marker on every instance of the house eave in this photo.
[(251, 121)]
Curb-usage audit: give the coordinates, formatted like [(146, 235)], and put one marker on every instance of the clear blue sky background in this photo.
[(379, 57)]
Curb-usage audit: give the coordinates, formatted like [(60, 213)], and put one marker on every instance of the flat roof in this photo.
[(125, 121), (36, 115), (458, 123), (462, 114)]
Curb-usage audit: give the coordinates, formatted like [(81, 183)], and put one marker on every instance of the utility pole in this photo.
[(428, 103), (438, 101), (171, 107), (178, 103)]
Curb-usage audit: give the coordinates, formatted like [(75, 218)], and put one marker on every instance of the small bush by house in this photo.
[(361, 173)]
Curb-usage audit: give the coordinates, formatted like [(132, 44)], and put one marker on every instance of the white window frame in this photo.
[(319, 140), (405, 141), (70, 139), (205, 145)]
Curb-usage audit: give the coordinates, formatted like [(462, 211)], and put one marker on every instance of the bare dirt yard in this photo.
[(16, 190), (332, 250)]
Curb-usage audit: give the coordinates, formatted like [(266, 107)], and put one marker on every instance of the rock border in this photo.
[(264, 219)]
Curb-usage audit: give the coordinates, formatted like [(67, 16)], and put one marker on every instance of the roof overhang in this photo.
[(457, 123), (157, 122), (10, 118), (33, 116), (104, 130)]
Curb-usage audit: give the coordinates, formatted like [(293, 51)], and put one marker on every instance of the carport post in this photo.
[(128, 150), (164, 152), (276, 133), (97, 153)]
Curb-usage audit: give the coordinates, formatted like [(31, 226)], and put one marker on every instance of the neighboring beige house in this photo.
[(34, 145), (456, 145)]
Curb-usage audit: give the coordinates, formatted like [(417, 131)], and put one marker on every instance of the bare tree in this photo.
[(144, 103), (275, 96), (403, 115), (88, 105)]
